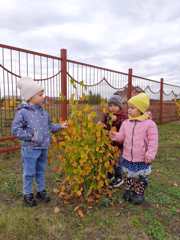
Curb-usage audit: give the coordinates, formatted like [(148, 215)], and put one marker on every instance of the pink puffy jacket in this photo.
[(140, 140)]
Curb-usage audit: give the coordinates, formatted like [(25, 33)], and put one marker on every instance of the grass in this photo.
[(112, 219)]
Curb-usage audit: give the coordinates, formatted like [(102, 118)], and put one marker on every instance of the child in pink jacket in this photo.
[(139, 135)]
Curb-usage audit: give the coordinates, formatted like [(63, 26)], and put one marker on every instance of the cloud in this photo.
[(117, 34)]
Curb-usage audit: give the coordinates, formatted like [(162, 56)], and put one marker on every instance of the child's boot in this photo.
[(139, 188), (43, 196), (116, 182), (29, 200), (137, 198), (128, 194)]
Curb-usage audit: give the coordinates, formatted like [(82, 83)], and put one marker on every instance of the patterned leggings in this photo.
[(137, 184)]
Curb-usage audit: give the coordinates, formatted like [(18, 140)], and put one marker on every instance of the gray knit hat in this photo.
[(115, 99), (28, 87)]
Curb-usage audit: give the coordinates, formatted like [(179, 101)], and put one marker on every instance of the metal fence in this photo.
[(56, 74)]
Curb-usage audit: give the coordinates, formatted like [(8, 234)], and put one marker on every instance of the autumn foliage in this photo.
[(84, 156)]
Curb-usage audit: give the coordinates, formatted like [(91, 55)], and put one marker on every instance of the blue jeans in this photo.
[(34, 166)]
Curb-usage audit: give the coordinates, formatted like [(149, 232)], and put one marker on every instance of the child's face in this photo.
[(38, 98), (114, 108), (133, 111)]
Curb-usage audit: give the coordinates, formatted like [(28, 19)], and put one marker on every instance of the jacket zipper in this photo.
[(132, 140)]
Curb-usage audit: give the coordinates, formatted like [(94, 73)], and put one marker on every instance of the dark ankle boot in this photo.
[(43, 196), (29, 200), (137, 198), (127, 196)]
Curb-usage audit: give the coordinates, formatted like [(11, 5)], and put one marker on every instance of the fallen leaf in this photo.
[(56, 210), (90, 200), (80, 213), (175, 184), (76, 208)]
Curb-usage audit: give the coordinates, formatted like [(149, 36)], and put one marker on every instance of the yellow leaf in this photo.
[(100, 184), (55, 190), (79, 193), (104, 110), (97, 149), (106, 164), (54, 139), (113, 129)]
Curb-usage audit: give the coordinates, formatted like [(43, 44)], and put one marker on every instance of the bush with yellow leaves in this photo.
[(84, 156)]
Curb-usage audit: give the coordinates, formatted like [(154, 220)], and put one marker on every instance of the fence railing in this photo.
[(55, 74)]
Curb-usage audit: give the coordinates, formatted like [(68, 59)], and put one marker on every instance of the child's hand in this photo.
[(101, 123), (112, 135), (147, 159), (149, 114), (114, 118), (64, 125)]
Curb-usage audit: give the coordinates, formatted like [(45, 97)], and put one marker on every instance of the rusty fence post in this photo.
[(129, 92), (161, 101), (63, 104)]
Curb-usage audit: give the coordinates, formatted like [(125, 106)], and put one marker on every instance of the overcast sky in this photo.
[(143, 35)]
